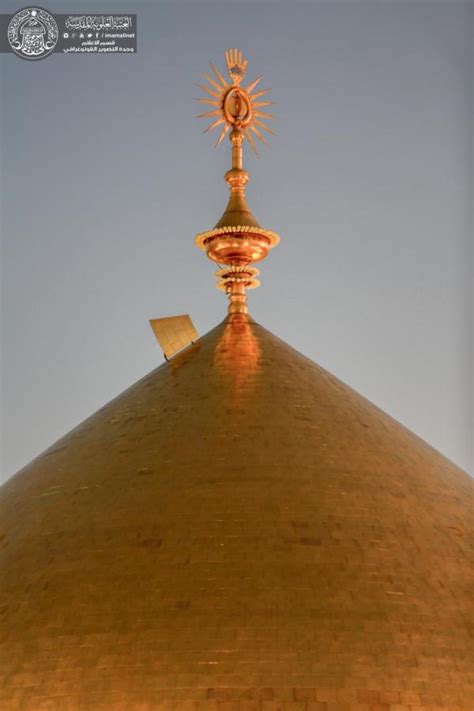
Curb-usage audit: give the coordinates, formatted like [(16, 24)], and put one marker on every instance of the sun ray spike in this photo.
[(259, 134), (207, 101), (260, 93), (222, 135), (264, 126), (263, 114), (208, 90), (213, 82), (261, 104), (215, 123), (218, 75), (251, 142), (209, 114), (253, 84)]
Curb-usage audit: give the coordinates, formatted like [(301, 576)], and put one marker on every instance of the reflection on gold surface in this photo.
[(237, 358)]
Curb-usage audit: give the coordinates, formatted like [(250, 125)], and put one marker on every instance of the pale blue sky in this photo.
[(107, 177)]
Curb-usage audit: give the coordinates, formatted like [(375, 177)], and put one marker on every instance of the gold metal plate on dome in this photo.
[(174, 333)]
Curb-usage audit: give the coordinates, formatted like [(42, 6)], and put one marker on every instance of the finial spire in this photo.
[(237, 240)]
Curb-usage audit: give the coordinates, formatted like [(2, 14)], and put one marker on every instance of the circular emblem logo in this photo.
[(32, 33)]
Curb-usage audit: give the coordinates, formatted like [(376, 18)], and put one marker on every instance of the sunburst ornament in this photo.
[(237, 107)]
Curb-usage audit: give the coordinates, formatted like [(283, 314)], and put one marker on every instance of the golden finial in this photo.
[(237, 240)]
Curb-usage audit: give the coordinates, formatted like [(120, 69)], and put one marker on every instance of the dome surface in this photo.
[(238, 531)]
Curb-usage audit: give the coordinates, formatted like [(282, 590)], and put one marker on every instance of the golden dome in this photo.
[(238, 531)]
